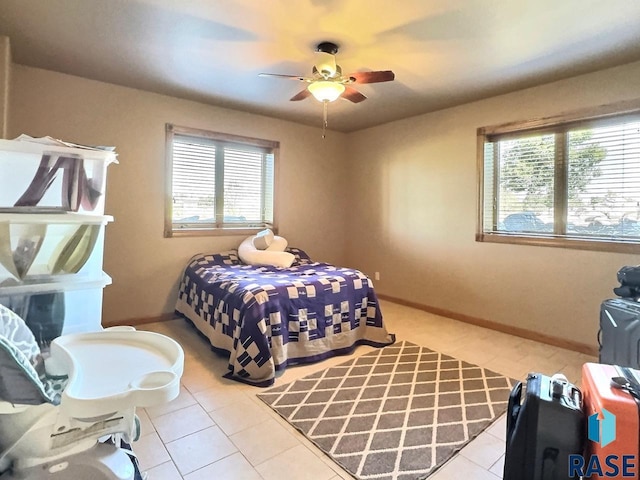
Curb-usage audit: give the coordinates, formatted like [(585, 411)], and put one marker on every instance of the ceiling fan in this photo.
[(327, 83)]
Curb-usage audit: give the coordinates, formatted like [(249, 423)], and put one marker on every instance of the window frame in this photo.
[(597, 115), (207, 230)]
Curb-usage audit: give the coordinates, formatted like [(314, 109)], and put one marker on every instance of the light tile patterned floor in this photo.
[(219, 429)]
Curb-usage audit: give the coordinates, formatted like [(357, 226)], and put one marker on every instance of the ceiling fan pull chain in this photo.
[(325, 106)]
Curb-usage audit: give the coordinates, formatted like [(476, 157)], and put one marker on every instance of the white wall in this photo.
[(414, 212), (145, 266)]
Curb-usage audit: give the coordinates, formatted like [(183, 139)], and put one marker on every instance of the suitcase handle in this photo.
[(600, 339), (622, 383), (558, 384), (513, 409), (550, 463)]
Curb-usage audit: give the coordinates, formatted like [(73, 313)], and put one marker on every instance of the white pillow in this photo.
[(279, 244), (250, 255), (263, 239)]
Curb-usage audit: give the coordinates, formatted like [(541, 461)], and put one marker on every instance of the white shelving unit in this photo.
[(52, 227)]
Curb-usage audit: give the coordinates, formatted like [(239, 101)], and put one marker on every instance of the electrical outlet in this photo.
[(377, 276)]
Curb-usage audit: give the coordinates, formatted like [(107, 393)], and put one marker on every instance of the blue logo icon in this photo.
[(602, 427)]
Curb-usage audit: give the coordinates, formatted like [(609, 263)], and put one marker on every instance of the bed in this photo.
[(266, 318)]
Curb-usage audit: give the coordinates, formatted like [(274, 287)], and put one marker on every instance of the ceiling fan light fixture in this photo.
[(325, 91)]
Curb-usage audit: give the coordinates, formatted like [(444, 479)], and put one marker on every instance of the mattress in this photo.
[(266, 317)]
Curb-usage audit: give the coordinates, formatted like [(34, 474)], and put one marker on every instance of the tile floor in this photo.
[(218, 429)]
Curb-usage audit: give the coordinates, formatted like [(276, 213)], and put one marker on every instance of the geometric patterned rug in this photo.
[(399, 412)]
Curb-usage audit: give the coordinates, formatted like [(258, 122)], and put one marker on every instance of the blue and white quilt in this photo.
[(268, 317)]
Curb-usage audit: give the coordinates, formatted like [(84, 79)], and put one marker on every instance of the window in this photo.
[(572, 182), (218, 183)]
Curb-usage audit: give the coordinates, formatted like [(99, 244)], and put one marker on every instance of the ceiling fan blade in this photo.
[(300, 95), (373, 77), (353, 95), (278, 75)]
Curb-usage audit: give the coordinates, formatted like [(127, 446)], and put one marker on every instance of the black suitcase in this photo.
[(543, 430), (619, 335)]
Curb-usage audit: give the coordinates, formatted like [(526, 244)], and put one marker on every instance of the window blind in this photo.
[(578, 180), (526, 181), (243, 186), (604, 181), (269, 174), (220, 184), (194, 181)]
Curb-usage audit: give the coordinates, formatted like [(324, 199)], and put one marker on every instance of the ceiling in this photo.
[(443, 52)]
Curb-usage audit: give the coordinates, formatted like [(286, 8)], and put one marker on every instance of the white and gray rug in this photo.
[(399, 412)]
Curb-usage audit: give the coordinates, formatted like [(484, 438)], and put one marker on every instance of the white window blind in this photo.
[(243, 186), (579, 180), (526, 180), (604, 181), (219, 184), (194, 181)]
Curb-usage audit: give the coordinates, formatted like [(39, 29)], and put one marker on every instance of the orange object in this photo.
[(601, 398)]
